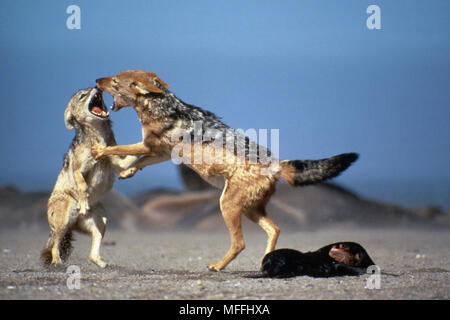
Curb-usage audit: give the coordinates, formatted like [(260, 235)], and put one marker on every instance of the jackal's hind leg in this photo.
[(95, 225), (61, 220), (231, 208), (259, 216)]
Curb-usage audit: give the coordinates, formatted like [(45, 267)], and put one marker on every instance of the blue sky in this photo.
[(311, 69)]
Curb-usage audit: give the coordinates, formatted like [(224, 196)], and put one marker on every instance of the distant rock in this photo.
[(177, 211), (121, 211), (22, 209), (7, 191), (192, 181), (143, 197), (290, 208), (310, 207)]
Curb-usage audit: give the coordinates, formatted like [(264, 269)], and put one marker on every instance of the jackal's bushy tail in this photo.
[(304, 172), (65, 249)]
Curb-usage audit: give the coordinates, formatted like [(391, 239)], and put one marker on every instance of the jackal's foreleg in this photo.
[(99, 151)]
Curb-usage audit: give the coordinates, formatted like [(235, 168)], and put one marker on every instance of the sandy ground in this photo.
[(149, 265)]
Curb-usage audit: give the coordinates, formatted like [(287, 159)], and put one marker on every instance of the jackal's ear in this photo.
[(155, 77), (144, 86), (68, 119)]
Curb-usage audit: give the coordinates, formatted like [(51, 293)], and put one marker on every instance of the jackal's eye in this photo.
[(83, 95), (114, 80)]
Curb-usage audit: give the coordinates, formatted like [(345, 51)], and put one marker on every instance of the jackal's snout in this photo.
[(107, 84), (103, 83)]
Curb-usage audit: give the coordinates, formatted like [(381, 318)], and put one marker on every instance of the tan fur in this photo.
[(246, 189), (74, 203), (287, 173)]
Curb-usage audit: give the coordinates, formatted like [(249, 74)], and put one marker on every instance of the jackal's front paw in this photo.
[(83, 206), (128, 173), (98, 151)]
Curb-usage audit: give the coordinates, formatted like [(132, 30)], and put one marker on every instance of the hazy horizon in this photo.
[(311, 69)]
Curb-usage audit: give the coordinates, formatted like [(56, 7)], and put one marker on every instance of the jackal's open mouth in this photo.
[(97, 106)]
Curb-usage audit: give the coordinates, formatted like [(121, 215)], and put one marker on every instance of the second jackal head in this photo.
[(86, 107), (126, 86)]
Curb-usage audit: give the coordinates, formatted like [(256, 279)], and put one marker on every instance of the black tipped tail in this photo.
[(304, 172), (46, 257), (65, 249)]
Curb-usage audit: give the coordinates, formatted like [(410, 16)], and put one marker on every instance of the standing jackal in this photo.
[(83, 181), (248, 185)]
